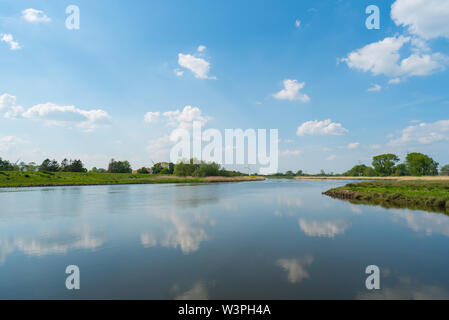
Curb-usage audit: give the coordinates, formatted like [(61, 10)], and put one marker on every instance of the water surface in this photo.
[(275, 239)]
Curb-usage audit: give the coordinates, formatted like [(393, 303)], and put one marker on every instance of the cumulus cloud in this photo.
[(320, 128), (425, 18), (201, 48), (327, 229), (9, 39), (53, 114), (199, 66), (199, 291), (152, 116), (353, 145), (292, 92), (296, 268), (394, 81), (35, 16), (423, 133), (297, 23), (375, 88), (185, 118), (178, 73), (383, 58)]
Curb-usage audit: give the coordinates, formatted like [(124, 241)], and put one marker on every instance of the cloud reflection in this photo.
[(327, 228), (296, 268)]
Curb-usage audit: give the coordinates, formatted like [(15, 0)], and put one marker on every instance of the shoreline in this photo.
[(404, 178), (135, 181), (430, 195)]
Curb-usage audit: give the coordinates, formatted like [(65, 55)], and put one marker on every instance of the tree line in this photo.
[(190, 167), (384, 165)]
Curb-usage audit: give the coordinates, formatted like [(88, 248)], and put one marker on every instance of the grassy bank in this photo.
[(430, 195), (41, 179), (404, 178)]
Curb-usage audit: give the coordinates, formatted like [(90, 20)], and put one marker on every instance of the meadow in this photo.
[(42, 179)]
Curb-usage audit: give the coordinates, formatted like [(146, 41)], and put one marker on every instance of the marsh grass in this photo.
[(418, 194), (43, 179)]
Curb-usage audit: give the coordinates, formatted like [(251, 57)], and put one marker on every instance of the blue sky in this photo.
[(85, 93)]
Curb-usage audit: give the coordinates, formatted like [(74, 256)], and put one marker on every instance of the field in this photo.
[(42, 179), (433, 178), (415, 194)]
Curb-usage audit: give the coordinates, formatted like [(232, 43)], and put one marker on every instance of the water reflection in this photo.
[(218, 241), (296, 268), (425, 222), (327, 228), (199, 291)]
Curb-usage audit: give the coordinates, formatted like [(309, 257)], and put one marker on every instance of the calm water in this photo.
[(277, 239)]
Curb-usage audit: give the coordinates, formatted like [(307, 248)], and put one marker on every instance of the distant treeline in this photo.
[(384, 165), (184, 168)]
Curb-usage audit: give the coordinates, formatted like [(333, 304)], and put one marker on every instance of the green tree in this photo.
[(419, 164), (401, 170), (143, 170), (5, 165), (299, 173), (289, 173), (445, 170), (384, 164), (119, 167), (49, 165)]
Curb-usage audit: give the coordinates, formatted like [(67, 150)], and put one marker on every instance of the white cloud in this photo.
[(53, 114), (297, 23), (34, 15), (198, 66), (292, 92), (423, 133), (152, 117), (287, 152), (185, 118), (332, 157), (178, 73), (296, 268), (375, 88), (425, 18), (353, 145), (327, 229), (9, 39), (326, 127), (198, 292), (201, 48), (394, 81), (383, 58), (9, 141)]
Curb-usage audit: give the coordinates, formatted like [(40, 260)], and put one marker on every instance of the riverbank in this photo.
[(47, 179), (407, 178), (423, 194)]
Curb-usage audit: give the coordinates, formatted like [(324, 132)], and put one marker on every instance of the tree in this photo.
[(98, 170), (5, 165), (289, 173), (384, 164), (419, 164), (49, 165), (360, 170), (119, 167), (299, 173), (401, 170), (143, 170), (445, 170)]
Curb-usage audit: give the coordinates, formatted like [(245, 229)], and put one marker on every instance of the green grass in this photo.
[(432, 195), (34, 179)]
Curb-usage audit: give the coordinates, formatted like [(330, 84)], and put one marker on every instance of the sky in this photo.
[(338, 92)]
